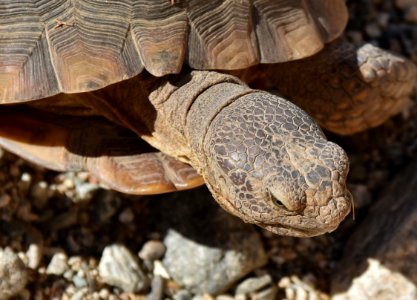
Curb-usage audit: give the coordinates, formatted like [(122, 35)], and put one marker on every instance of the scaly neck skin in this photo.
[(184, 109), (263, 158)]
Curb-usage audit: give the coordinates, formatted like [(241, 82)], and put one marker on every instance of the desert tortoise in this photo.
[(80, 80)]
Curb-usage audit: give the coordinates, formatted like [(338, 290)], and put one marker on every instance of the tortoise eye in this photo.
[(278, 203)]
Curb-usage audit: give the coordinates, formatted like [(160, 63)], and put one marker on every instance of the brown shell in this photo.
[(70, 46)]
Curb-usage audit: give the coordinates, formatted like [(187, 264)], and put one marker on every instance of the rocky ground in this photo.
[(64, 236)]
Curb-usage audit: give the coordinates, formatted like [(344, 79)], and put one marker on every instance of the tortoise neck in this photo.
[(185, 107)]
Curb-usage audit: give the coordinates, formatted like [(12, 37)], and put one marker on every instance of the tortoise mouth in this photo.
[(309, 225)]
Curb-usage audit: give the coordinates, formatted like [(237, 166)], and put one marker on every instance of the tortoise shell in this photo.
[(61, 46)]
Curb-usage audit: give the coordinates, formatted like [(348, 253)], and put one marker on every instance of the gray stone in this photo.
[(157, 289), (209, 250), (13, 274), (118, 267), (79, 282), (381, 256)]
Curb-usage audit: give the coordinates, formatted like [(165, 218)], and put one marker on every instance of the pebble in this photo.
[(41, 193), (160, 270), (5, 199), (85, 190), (118, 267), (373, 30), (214, 266), (79, 282), (13, 274), (259, 288), (152, 250), (157, 289), (34, 255), (295, 289), (225, 297), (104, 293), (182, 295), (25, 181), (126, 216), (80, 294)]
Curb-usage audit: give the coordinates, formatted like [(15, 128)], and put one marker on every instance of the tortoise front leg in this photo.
[(113, 154), (346, 89)]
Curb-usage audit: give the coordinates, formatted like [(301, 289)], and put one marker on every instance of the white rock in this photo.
[(13, 274)]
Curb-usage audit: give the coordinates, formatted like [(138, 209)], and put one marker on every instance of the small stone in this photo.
[(80, 294), (34, 255), (252, 285), (260, 288), (152, 250), (160, 270), (25, 181), (202, 297), (373, 30), (118, 267), (126, 216), (157, 289), (383, 19), (68, 274), (13, 274), (182, 295), (41, 194), (84, 190), (104, 293), (79, 282), (225, 297), (296, 288), (5, 200)]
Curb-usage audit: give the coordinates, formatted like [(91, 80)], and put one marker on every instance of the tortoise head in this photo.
[(270, 164)]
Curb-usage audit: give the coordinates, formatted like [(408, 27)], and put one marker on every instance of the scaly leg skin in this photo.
[(345, 89), (263, 158), (113, 154)]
